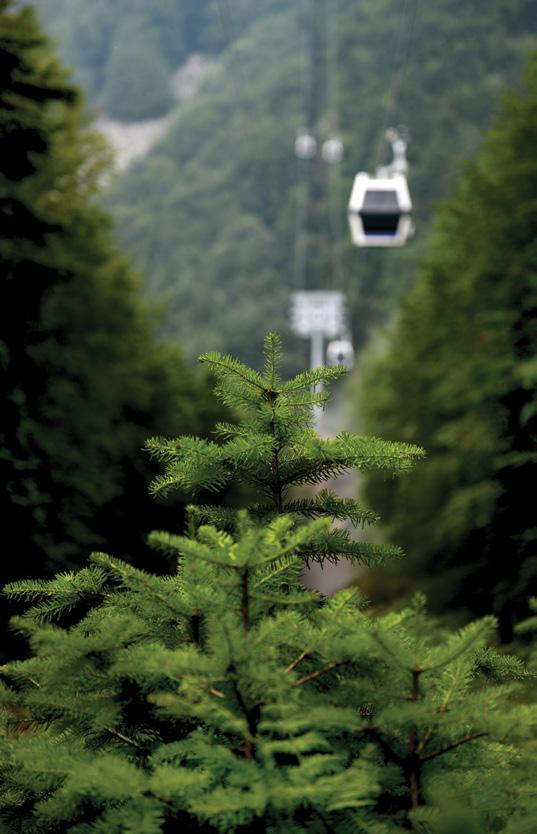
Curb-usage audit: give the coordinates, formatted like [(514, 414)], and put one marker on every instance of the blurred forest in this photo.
[(460, 376), (124, 52), (85, 379), (210, 214), (209, 218)]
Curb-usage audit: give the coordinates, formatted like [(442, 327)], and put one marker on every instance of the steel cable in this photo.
[(402, 57)]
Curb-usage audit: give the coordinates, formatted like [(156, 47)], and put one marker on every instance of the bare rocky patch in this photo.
[(133, 140)]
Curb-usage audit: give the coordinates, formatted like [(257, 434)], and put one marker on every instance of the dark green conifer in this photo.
[(83, 378), (228, 698)]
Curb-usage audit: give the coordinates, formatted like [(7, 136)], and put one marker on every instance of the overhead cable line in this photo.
[(302, 211), (319, 136), (333, 147), (402, 52), (305, 150)]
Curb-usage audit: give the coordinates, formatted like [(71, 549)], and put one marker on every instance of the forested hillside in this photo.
[(210, 214), (124, 52), (460, 375)]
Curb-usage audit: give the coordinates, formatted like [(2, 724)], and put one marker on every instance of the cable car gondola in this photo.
[(340, 352), (332, 150), (380, 206), (305, 145), (379, 211)]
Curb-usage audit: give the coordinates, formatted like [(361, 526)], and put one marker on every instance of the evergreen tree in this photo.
[(460, 375), (276, 449), (84, 380), (228, 698)]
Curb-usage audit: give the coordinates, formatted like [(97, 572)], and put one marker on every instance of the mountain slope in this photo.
[(124, 52), (210, 214)]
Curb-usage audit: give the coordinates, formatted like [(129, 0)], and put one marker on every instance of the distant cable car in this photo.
[(379, 211), (380, 206), (332, 150), (305, 145), (340, 352)]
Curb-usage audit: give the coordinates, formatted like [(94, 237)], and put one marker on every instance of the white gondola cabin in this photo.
[(332, 150), (379, 210), (305, 145)]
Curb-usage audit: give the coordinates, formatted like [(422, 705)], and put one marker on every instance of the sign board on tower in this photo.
[(318, 311)]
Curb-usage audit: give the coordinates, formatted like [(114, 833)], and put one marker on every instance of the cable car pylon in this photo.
[(380, 206), (320, 314)]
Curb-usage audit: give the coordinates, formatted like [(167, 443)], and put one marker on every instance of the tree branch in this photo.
[(425, 740), (125, 739), (276, 484), (248, 750), (216, 692), (235, 372), (314, 675), (452, 746), (296, 661), (245, 599), (413, 762)]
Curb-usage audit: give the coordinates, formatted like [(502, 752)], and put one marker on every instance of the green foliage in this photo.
[(227, 697), (460, 377), (124, 52), (89, 33), (274, 449), (84, 380)]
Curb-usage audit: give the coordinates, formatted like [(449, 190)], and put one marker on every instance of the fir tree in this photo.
[(274, 449), (228, 698)]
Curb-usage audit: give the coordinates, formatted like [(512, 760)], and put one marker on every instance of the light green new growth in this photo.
[(274, 449)]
